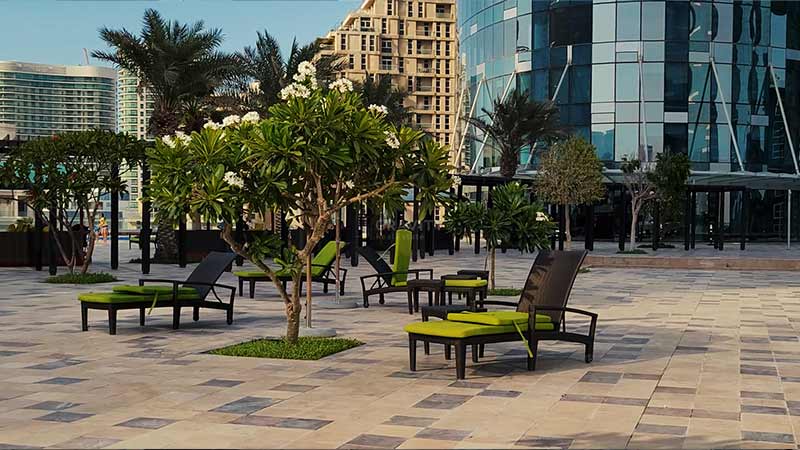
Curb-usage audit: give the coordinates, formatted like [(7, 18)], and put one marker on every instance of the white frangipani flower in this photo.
[(391, 140), (233, 119), (306, 72), (213, 125), (378, 109), (541, 217), (168, 141), (182, 137), (233, 179), (456, 180), (342, 85), (251, 117), (295, 90)]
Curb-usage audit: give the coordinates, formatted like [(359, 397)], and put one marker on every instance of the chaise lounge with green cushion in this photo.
[(175, 294), (390, 279), (322, 271), (539, 316)]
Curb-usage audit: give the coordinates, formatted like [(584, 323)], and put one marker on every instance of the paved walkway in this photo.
[(690, 359)]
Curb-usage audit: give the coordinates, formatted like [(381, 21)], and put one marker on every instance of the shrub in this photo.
[(306, 348), (82, 278)]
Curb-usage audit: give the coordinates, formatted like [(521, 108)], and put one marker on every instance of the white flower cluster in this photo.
[(213, 125), (541, 217), (168, 141), (456, 180), (306, 72), (233, 179), (179, 138), (251, 117), (342, 85), (391, 140), (295, 90), (231, 120), (378, 109)]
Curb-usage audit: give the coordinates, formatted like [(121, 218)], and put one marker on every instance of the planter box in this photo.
[(18, 249)]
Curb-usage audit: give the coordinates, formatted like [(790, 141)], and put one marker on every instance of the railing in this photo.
[(424, 51), (444, 15), (424, 69)]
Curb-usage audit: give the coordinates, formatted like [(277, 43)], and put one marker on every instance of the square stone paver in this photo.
[(374, 441), (245, 405), (52, 406), (61, 380), (443, 401), (221, 383), (409, 421), (64, 416), (442, 434), (282, 422), (149, 423)]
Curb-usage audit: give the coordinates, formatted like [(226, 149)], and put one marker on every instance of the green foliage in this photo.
[(505, 292), (670, 177), (515, 122), (570, 174), (306, 348), (635, 251), (69, 173), (21, 225), (82, 278)]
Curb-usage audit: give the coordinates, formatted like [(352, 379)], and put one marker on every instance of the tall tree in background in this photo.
[(179, 63), (670, 178), (379, 91), (515, 122), (570, 174), (264, 66), (641, 189)]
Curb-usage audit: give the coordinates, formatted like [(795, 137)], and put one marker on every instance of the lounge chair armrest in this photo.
[(178, 283), (142, 281), (565, 309)]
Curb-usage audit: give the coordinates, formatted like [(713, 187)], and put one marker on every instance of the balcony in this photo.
[(425, 70), (423, 87), (424, 51), (444, 15)]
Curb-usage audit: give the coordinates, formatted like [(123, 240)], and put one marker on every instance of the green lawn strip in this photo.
[(82, 278), (632, 252), (307, 348), (505, 292)]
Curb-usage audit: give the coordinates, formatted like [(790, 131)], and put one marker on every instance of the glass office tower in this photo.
[(637, 78)]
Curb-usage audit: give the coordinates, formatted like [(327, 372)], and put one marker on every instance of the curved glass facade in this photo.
[(640, 76)]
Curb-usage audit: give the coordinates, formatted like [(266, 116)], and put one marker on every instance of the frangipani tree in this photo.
[(317, 152)]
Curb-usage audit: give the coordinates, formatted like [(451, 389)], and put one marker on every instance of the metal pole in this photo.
[(182, 241), (51, 242), (589, 241), (693, 220), (115, 222), (562, 224), (785, 121), (656, 225), (511, 78), (455, 127), (478, 195), (743, 219), (727, 115), (640, 60), (789, 219), (144, 234), (720, 220), (466, 128), (686, 235), (415, 227)]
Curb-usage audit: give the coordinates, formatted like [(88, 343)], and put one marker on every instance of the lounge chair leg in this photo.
[(532, 361), (430, 299), (84, 317), (176, 317), (589, 353), (412, 354), (253, 289), (427, 347), (381, 300), (241, 286), (229, 318), (141, 316), (112, 321), (475, 353), (325, 287), (410, 294), (461, 361), (196, 313), (366, 301), (481, 350), (447, 352)]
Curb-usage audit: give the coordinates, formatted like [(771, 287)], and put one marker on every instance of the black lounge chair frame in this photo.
[(561, 282), (328, 277), (380, 283), (211, 267)]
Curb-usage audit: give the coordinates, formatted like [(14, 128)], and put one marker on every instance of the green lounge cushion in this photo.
[(402, 257), (250, 274), (400, 284), (496, 318), (119, 298), (153, 289), (459, 330), (477, 283), (321, 261)]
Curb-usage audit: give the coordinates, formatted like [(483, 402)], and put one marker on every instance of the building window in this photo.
[(420, 9), (438, 121), (410, 9), (447, 30), (438, 30), (390, 7), (384, 28), (366, 24), (351, 63), (343, 41), (447, 104), (372, 43), (386, 45), (438, 48), (446, 49), (410, 84), (401, 65), (401, 28), (447, 86), (386, 63), (446, 122), (363, 61), (410, 45), (363, 43), (438, 85)]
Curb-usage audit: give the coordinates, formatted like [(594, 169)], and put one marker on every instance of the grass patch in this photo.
[(505, 292), (660, 245), (307, 348), (171, 261), (635, 251), (82, 278)]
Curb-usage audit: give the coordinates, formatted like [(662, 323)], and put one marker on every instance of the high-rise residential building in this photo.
[(42, 99), (413, 42), (135, 105), (718, 81)]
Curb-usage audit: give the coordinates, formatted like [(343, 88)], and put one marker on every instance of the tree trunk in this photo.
[(567, 232), (308, 290), (197, 221), (509, 161), (634, 219), (167, 246), (492, 260)]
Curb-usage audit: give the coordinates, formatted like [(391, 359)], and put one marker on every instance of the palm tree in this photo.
[(179, 63), (265, 66), (379, 91), (516, 122)]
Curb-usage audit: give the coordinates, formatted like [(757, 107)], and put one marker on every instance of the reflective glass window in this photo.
[(700, 21), (792, 38), (654, 51), (604, 22), (653, 20), (676, 87), (571, 25), (699, 82), (563, 92), (741, 23), (722, 22), (677, 51), (627, 82), (628, 21), (626, 141), (580, 84), (762, 26), (699, 142), (582, 54), (654, 138), (603, 82), (602, 53), (719, 143), (541, 89), (653, 81), (603, 140), (675, 137), (541, 35), (627, 111), (677, 21), (524, 31)]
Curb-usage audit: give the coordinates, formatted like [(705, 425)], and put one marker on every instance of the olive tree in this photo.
[(318, 151)]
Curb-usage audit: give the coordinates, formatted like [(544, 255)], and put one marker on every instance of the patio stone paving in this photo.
[(683, 359)]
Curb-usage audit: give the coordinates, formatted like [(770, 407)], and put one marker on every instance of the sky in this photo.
[(56, 31)]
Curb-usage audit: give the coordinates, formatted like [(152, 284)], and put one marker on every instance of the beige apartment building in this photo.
[(415, 43)]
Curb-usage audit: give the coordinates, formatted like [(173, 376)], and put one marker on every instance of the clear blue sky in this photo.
[(55, 31)]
